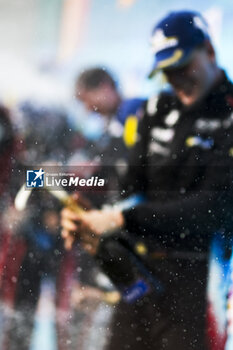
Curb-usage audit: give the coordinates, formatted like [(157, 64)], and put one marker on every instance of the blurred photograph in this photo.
[(116, 159)]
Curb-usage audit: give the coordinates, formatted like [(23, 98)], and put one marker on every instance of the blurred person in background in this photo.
[(105, 147), (97, 89), (106, 134), (181, 163), (102, 144), (38, 255), (7, 148), (7, 154), (9, 246), (31, 246)]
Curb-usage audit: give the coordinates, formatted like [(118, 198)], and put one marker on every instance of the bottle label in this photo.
[(135, 291)]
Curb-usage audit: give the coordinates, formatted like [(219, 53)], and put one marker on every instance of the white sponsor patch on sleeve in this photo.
[(151, 107), (163, 135), (172, 118)]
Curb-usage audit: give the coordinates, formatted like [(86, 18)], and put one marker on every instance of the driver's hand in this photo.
[(89, 226)]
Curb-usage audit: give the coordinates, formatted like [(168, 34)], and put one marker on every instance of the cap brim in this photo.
[(170, 59)]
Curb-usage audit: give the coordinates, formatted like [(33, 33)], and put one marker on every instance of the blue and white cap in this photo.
[(175, 37)]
